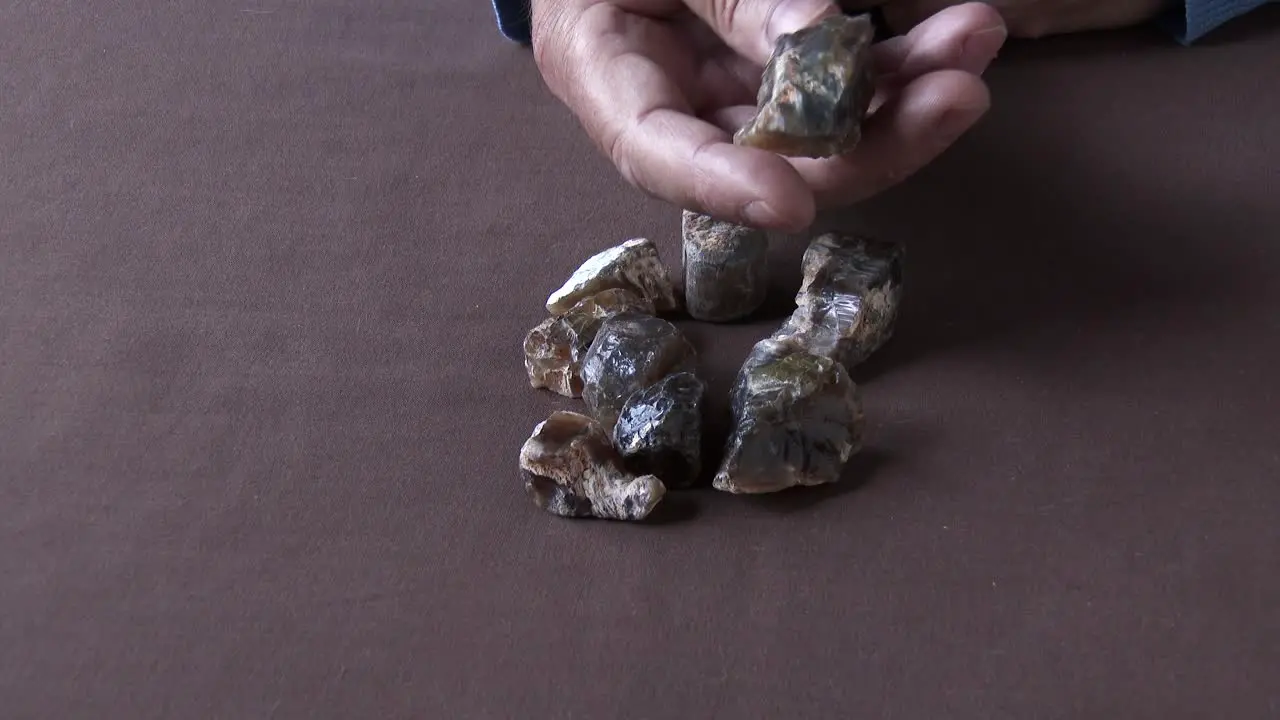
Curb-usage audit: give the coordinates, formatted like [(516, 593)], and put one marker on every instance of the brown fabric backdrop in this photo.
[(264, 272)]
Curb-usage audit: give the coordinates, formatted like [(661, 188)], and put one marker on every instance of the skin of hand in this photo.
[(1033, 18), (660, 85)]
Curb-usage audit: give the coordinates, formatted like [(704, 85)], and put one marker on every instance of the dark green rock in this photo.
[(797, 419)]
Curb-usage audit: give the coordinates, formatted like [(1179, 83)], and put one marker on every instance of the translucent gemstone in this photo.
[(631, 351), (797, 419), (815, 90), (849, 300), (553, 350)]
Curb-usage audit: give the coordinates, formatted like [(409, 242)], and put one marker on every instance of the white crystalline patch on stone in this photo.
[(842, 315), (633, 265), (590, 270), (622, 501)]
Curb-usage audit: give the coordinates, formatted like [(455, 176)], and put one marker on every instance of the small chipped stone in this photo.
[(797, 419), (659, 431), (815, 91), (634, 265), (553, 350), (725, 271), (630, 352), (571, 469)]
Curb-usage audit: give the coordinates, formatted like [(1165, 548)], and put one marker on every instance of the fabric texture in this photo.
[(265, 272)]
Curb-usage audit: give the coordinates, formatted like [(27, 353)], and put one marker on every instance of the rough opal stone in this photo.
[(849, 300), (797, 419), (815, 91), (659, 431), (553, 350), (631, 351), (634, 265), (571, 469), (725, 275)]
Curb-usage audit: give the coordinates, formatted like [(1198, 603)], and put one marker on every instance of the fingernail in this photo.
[(760, 214), (982, 47)]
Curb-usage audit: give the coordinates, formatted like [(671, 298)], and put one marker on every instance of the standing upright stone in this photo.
[(725, 272)]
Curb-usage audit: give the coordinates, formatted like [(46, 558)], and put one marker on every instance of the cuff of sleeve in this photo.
[(513, 20), (1199, 17)]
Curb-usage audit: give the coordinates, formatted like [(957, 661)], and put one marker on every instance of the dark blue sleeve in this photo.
[(1196, 18), (513, 19), (1190, 21)]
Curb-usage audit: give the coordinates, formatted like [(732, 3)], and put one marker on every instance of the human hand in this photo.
[(1033, 18), (660, 86)]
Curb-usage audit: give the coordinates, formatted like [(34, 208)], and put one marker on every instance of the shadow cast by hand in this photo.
[(1032, 256)]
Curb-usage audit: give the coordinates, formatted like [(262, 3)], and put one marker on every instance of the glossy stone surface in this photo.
[(659, 431), (815, 90), (797, 419), (631, 351), (849, 299), (725, 275), (571, 469), (553, 350), (634, 265)]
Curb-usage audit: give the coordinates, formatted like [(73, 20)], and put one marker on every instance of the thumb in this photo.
[(752, 27)]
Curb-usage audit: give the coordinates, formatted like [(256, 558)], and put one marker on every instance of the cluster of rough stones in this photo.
[(797, 415), (636, 373)]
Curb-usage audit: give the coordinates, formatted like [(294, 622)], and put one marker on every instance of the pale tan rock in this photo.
[(633, 265), (571, 469)]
